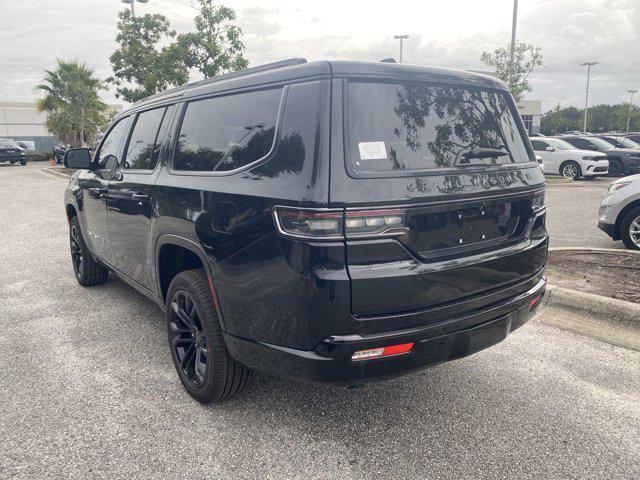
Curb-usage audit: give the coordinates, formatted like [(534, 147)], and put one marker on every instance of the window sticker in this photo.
[(372, 150)]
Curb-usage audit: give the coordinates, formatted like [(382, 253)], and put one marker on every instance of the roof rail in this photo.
[(240, 73)]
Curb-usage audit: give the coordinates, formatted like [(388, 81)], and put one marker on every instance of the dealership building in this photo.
[(22, 121)]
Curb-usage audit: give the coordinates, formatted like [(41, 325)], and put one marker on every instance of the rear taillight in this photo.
[(339, 224), (311, 224), (374, 222)]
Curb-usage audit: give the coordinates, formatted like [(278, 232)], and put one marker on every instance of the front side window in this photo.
[(143, 148), (107, 157), (416, 126), (560, 144), (225, 133), (538, 145)]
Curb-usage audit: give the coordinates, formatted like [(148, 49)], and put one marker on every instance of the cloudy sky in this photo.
[(452, 33)]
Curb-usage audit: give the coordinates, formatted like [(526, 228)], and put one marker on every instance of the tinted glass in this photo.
[(413, 126), (538, 145), (107, 157), (601, 144), (143, 150), (225, 133), (560, 144), (613, 141), (579, 143)]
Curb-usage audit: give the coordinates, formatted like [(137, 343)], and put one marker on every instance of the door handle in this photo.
[(140, 196)]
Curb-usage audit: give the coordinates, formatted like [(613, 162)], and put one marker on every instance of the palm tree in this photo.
[(71, 100)]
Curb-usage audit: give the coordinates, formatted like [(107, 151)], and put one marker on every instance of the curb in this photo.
[(608, 309), (595, 250), (50, 171)]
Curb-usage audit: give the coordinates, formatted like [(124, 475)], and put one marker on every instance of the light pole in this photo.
[(586, 97), (630, 105), (401, 38), (513, 31), (132, 3)]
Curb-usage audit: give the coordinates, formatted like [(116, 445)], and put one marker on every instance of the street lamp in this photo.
[(586, 97), (401, 38), (132, 3), (630, 104)]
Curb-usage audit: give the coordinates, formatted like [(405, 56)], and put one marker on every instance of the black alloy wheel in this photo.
[(188, 339), (87, 270), (76, 250), (196, 342)]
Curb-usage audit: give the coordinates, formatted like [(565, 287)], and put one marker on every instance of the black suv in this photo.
[(622, 161), (11, 152), (322, 222)]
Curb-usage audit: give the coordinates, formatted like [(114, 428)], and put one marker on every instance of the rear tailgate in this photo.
[(471, 231)]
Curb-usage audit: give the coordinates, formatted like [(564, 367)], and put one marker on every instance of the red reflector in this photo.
[(534, 303), (382, 352), (397, 349)]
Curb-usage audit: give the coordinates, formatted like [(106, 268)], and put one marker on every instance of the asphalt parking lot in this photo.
[(572, 219), (88, 389)]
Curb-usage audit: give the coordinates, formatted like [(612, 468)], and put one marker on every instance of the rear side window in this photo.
[(143, 148), (225, 133), (416, 126)]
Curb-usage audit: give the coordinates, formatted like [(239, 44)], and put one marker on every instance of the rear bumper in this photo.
[(330, 362)]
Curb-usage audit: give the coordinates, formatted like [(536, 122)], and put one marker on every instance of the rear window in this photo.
[(414, 126), (226, 133)]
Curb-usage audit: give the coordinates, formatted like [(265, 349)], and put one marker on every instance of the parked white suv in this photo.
[(562, 158), (619, 214)]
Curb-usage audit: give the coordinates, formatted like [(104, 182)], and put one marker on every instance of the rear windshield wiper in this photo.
[(464, 156)]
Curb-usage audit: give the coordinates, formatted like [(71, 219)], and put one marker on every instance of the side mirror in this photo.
[(78, 158), (550, 149)]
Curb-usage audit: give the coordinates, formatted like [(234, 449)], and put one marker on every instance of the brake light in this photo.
[(322, 225), (375, 222), (390, 351), (338, 224)]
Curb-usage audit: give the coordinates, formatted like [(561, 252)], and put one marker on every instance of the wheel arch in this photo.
[(623, 213), (175, 254)]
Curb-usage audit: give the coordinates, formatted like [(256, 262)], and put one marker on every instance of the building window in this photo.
[(528, 122)]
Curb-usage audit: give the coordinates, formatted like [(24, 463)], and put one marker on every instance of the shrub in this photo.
[(38, 156)]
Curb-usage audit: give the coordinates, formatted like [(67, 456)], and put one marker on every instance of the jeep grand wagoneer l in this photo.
[(322, 222)]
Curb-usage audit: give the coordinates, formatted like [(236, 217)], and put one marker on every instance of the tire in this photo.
[(571, 169), (631, 222), (615, 168), (592, 177), (87, 270), (23, 162), (197, 347)]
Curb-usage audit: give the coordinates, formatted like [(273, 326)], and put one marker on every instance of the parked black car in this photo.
[(11, 152), (635, 136), (322, 222), (620, 141), (622, 161), (59, 151)]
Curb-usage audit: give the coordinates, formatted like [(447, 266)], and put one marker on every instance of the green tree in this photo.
[(140, 65), (215, 46), (526, 58), (71, 100), (560, 120)]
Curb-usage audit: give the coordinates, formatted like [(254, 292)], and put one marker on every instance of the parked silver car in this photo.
[(619, 215)]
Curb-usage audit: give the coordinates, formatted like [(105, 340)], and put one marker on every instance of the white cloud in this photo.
[(449, 34)]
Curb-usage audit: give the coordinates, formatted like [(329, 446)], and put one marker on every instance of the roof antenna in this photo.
[(388, 60)]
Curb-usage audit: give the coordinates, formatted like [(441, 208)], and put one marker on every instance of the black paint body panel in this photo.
[(277, 293)]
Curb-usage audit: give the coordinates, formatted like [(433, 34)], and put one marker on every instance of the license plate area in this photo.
[(436, 232)]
